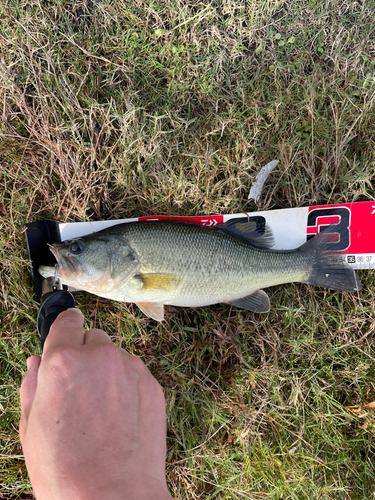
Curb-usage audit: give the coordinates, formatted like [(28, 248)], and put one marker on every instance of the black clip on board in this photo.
[(38, 235)]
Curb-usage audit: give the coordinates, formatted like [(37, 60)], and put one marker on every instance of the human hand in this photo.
[(93, 422)]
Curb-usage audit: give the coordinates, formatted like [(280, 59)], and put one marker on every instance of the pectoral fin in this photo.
[(159, 281), (154, 310), (257, 302)]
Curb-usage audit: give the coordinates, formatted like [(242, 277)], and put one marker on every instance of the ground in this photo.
[(118, 109)]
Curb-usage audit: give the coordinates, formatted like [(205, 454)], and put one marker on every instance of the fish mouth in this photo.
[(47, 271), (67, 266)]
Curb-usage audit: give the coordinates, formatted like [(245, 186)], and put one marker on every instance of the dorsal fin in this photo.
[(252, 230)]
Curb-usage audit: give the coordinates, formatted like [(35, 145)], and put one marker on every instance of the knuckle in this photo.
[(147, 378), (109, 352), (24, 388), (158, 390), (139, 366), (22, 427), (63, 360), (108, 355), (25, 383)]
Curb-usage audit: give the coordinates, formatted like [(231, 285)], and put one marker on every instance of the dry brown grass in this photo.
[(116, 110)]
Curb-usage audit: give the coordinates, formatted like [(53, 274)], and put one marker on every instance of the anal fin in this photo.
[(257, 301), (154, 310)]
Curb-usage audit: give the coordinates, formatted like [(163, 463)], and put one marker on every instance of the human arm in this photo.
[(93, 419)]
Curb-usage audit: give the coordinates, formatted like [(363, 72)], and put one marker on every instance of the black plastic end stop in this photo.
[(38, 235)]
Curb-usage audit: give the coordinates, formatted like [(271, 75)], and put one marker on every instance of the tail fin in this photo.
[(327, 271)]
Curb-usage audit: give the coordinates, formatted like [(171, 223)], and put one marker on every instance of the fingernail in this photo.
[(28, 363)]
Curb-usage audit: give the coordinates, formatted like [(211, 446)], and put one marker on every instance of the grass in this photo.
[(116, 109)]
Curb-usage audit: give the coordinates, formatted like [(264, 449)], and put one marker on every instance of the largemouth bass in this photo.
[(155, 263)]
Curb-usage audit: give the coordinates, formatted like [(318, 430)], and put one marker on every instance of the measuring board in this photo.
[(291, 227)]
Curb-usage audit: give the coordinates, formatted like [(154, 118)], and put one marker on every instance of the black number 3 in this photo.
[(316, 219)]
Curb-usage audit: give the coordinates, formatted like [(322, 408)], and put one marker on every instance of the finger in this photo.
[(96, 336), (66, 331), (28, 390)]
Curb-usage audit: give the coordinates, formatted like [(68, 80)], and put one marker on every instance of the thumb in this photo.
[(27, 391)]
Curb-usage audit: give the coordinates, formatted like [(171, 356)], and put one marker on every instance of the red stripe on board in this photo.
[(210, 220)]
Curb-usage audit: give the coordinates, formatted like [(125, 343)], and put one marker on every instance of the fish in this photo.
[(159, 263)]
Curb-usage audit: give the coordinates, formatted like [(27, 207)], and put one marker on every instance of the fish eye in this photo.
[(77, 247)]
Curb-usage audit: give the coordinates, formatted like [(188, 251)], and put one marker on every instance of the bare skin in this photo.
[(93, 422)]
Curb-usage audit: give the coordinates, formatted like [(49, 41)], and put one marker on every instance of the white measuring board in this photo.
[(291, 227)]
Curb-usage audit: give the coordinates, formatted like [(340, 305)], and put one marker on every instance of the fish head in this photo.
[(98, 264)]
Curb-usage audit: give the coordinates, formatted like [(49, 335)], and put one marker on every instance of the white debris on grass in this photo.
[(260, 179)]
